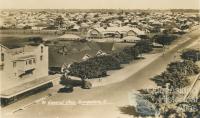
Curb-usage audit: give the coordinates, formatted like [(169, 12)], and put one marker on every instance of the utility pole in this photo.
[(191, 87), (197, 54)]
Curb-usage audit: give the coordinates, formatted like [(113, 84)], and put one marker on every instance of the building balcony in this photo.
[(24, 58), (26, 68)]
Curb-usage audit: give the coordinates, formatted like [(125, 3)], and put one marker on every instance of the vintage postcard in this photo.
[(100, 58)]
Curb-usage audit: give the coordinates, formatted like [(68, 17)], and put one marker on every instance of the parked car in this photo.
[(66, 89)]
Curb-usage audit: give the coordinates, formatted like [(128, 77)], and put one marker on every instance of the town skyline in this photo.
[(99, 4)]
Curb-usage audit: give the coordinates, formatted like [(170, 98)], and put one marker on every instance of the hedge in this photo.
[(176, 74), (98, 66), (191, 54)]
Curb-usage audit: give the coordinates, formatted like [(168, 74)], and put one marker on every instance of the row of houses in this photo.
[(114, 32), (148, 21)]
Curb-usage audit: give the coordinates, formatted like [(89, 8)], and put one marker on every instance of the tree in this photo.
[(176, 80), (86, 69), (191, 54), (176, 74), (106, 62), (27, 27), (144, 46), (122, 57), (59, 21), (133, 52), (96, 15), (164, 39), (35, 40), (186, 67)]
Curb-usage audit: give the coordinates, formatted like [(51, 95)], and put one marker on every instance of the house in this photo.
[(84, 27), (86, 57), (101, 53), (39, 26), (130, 39), (113, 32), (75, 28), (99, 33), (69, 37)]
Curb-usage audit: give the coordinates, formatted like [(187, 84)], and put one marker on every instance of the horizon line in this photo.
[(100, 8)]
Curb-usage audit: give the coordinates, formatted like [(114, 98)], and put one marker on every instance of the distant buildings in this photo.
[(25, 68), (113, 32), (85, 23)]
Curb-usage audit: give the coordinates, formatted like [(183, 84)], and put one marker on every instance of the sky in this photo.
[(99, 4)]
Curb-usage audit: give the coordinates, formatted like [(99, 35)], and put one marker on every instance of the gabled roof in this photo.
[(69, 37), (119, 29), (138, 31), (26, 48), (131, 38)]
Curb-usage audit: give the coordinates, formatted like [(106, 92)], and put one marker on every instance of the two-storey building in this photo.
[(23, 71), (24, 62)]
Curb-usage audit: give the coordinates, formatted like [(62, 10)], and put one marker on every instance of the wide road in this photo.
[(114, 97)]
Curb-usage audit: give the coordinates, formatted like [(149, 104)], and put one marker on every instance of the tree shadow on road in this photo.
[(129, 110)]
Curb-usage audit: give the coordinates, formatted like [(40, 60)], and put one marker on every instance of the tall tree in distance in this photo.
[(59, 21)]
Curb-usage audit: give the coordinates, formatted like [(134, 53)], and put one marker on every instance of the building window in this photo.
[(41, 57), (14, 64), (26, 62), (2, 56), (34, 61), (1, 67), (30, 62), (42, 49)]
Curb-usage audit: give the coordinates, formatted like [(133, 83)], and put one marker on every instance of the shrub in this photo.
[(176, 74), (191, 54), (35, 39), (86, 69), (158, 98), (144, 46), (97, 66), (175, 80), (185, 67), (94, 67), (133, 52), (164, 39), (106, 62), (122, 57)]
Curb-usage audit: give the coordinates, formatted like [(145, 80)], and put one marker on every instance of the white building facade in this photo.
[(23, 63)]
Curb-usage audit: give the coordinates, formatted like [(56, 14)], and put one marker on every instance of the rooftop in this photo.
[(23, 58), (27, 86), (69, 37)]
